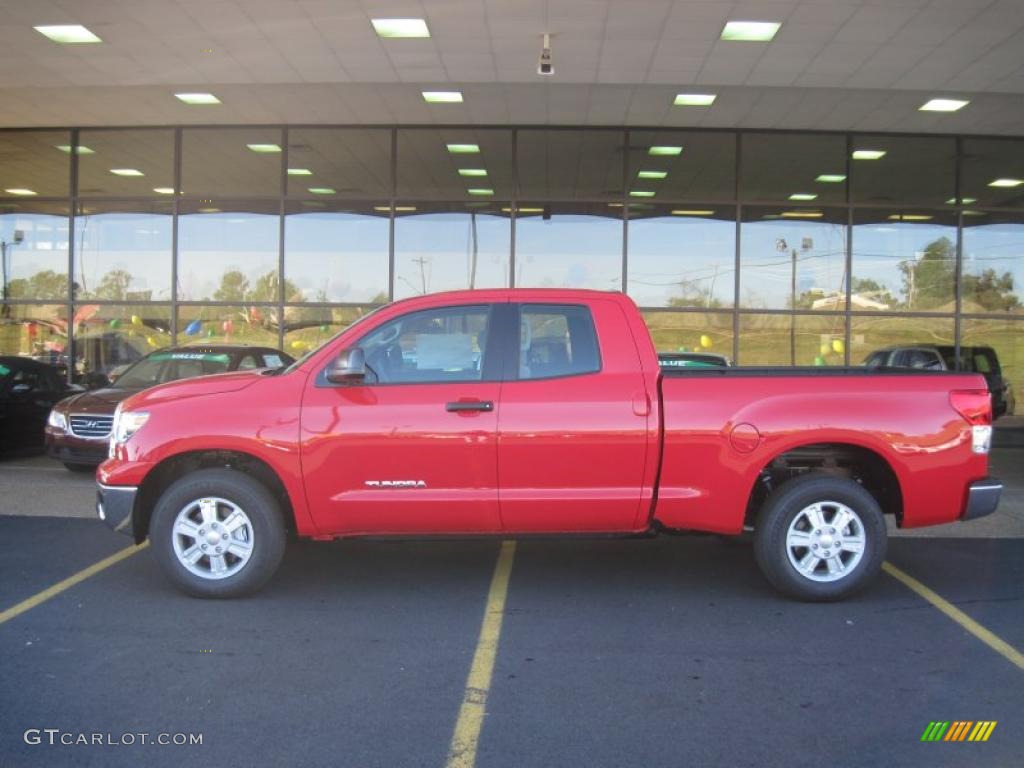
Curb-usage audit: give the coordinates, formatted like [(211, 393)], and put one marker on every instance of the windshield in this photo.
[(161, 367), (316, 349)]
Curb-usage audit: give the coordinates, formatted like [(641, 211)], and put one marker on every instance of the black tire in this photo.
[(258, 504), (790, 500), (80, 469)]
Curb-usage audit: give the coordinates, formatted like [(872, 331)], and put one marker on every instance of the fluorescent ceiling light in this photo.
[(831, 178), (81, 149), (910, 217), (523, 210), (692, 212), (126, 172), (472, 171), (391, 28), (442, 97), (802, 214), (398, 208), (299, 172), (20, 191), (943, 105), (975, 213), (463, 149), (803, 196), (264, 147), (1006, 182), (868, 154), (68, 33), (750, 31), (641, 193), (694, 99), (164, 190), (963, 201), (480, 191), (652, 174), (198, 98), (209, 210), (662, 150), (322, 190)]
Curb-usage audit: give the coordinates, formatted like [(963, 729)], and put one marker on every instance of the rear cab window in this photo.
[(556, 340)]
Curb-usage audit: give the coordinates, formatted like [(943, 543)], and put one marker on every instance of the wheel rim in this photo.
[(213, 538), (825, 541)]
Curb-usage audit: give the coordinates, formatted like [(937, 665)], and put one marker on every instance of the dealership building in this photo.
[(841, 177)]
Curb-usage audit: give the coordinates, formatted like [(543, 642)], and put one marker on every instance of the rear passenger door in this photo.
[(572, 430)]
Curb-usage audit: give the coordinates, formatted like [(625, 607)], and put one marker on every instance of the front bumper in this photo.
[(74, 455), (982, 498), (114, 506)]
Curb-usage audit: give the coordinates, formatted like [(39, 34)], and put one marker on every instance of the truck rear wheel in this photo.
[(820, 538), (217, 533)]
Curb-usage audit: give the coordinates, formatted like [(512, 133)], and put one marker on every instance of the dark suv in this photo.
[(78, 429), (940, 357)]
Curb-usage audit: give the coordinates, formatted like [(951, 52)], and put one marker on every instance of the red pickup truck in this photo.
[(509, 412)]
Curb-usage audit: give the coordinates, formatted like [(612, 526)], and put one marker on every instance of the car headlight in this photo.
[(57, 420), (126, 424)]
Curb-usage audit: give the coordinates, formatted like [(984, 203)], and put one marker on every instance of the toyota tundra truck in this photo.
[(541, 412)]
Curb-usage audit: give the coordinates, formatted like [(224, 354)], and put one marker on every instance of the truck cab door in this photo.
[(412, 447), (577, 434)]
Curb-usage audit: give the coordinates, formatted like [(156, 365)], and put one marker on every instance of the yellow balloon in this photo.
[(298, 346), (136, 321), (838, 346), (705, 341), (825, 349), (152, 341)]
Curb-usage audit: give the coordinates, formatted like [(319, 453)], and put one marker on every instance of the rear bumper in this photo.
[(114, 506), (982, 498)]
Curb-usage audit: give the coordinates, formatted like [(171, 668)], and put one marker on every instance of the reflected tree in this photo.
[(42, 285), (928, 281), (234, 286), (991, 291)]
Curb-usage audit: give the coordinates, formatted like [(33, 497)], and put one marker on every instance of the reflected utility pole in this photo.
[(792, 304), (422, 261)]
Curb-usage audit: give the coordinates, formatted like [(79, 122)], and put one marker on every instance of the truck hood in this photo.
[(215, 384)]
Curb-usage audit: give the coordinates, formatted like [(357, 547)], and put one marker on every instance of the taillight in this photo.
[(975, 405)]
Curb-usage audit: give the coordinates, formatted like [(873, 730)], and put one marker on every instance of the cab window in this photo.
[(433, 345), (247, 363), (556, 340)]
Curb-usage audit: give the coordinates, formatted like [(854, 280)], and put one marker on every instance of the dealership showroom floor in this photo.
[(663, 652)]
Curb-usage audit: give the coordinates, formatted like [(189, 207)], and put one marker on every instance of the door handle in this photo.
[(472, 405)]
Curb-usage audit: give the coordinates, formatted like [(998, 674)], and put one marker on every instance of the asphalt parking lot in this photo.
[(662, 652)]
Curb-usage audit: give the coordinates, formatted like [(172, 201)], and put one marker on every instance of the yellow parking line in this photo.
[(70, 581), (989, 638), (462, 752)]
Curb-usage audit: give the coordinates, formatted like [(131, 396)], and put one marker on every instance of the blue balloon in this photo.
[(194, 327)]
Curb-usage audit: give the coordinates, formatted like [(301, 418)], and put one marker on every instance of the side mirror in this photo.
[(348, 368)]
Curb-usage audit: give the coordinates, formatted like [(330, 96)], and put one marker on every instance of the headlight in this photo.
[(57, 420), (126, 424)]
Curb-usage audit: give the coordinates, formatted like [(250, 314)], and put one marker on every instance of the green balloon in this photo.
[(819, 360), (115, 323), (323, 328), (209, 333)]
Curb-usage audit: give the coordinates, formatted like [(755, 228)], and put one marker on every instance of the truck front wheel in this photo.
[(217, 533), (820, 537)]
